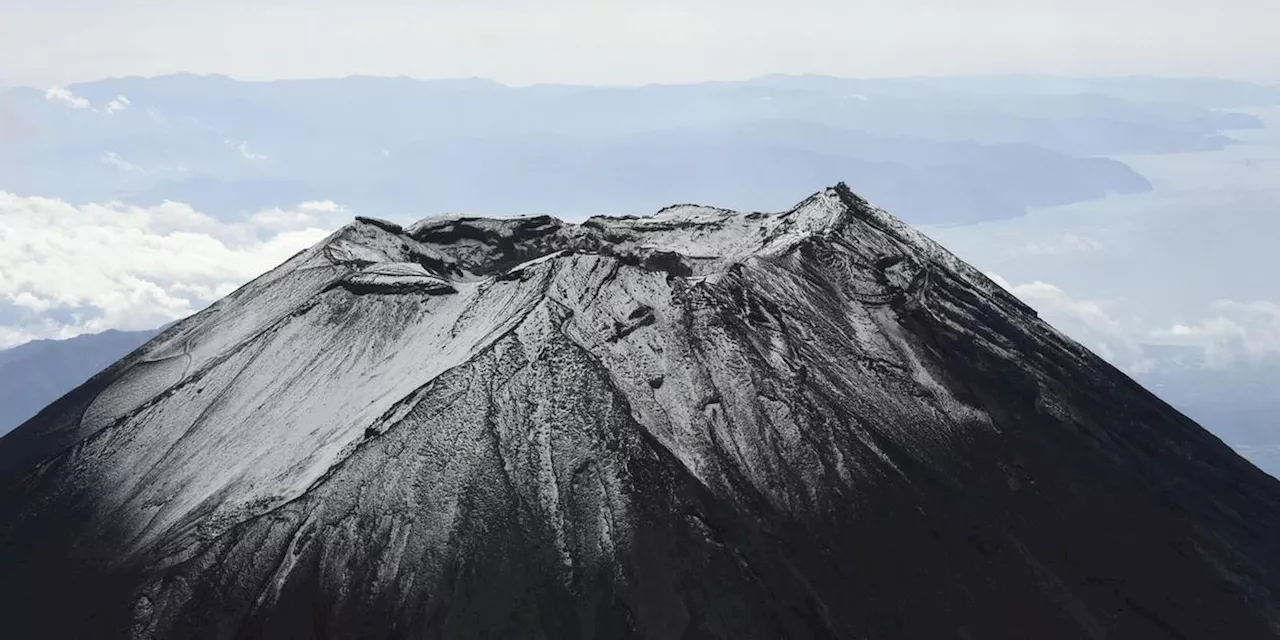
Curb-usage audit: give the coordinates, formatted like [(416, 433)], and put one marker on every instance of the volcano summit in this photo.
[(700, 424)]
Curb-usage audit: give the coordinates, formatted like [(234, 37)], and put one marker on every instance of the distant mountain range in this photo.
[(36, 373), (935, 150)]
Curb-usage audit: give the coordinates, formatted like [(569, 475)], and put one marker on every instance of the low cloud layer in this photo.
[(1227, 332), (65, 97), (72, 269), (1239, 329)]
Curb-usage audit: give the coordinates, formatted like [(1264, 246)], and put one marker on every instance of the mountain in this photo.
[(814, 423), (36, 373)]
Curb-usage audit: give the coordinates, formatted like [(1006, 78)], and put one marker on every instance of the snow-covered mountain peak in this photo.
[(701, 423), (683, 239)]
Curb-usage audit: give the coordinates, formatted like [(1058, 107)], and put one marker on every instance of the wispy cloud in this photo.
[(113, 159), (63, 96), (1228, 332), (1235, 329), (1089, 322), (320, 206), (242, 146), (323, 214), (118, 104)]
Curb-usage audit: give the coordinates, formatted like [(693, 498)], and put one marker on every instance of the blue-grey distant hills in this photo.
[(35, 374), (934, 150)]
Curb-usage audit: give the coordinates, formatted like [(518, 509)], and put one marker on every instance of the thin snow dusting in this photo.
[(244, 406), (625, 409)]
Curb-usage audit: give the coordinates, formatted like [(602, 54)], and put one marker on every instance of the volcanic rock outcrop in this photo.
[(701, 424)]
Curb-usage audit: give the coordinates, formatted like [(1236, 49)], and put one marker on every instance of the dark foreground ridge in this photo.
[(701, 424)]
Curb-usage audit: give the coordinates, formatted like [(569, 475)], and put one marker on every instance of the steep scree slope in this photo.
[(701, 424)]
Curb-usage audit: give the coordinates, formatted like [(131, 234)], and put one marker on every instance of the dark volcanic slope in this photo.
[(811, 424)]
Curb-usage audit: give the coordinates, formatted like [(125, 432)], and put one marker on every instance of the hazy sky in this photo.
[(54, 42)]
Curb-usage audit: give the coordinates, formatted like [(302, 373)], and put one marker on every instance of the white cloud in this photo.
[(1229, 332), (1088, 312), (72, 269), (242, 146), (120, 103), (325, 214), (320, 206), (39, 329), (113, 159), (63, 96), (1236, 330), (1089, 322)]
